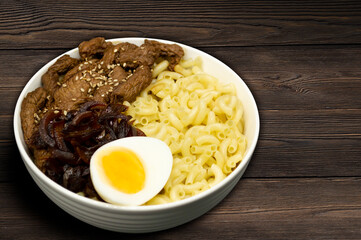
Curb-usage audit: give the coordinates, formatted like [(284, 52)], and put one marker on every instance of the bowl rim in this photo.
[(131, 209)]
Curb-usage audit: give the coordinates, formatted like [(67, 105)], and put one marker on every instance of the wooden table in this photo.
[(301, 60)]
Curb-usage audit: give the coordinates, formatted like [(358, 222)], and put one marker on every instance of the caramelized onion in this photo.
[(73, 138), (43, 128)]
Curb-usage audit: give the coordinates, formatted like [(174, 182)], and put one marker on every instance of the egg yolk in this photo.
[(124, 170)]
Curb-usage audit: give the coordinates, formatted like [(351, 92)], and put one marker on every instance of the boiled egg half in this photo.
[(131, 171)]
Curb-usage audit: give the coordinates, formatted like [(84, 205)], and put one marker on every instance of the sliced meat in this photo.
[(94, 48), (118, 74), (77, 90), (32, 103), (132, 56), (136, 82), (172, 52), (40, 158), (113, 52), (51, 78), (91, 65)]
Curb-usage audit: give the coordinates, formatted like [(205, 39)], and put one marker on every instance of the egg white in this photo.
[(157, 161)]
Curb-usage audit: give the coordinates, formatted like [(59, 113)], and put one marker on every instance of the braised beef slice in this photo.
[(80, 68), (112, 53), (131, 56), (94, 48), (32, 103), (41, 157), (76, 91), (51, 78), (172, 52), (129, 90), (118, 74)]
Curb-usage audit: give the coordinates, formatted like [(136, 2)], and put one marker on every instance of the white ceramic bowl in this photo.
[(145, 218)]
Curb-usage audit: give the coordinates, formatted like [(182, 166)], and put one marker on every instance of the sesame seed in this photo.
[(124, 64), (77, 77), (82, 89), (56, 111), (123, 80), (99, 66), (101, 71), (102, 62), (48, 97), (116, 84), (102, 95), (89, 90), (108, 66), (110, 90), (58, 83), (64, 85), (123, 49), (134, 61), (86, 63), (115, 50), (74, 99), (65, 113)]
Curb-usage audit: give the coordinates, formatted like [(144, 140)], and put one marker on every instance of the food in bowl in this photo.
[(84, 104), (144, 218)]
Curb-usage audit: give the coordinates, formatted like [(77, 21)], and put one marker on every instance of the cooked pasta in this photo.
[(199, 118)]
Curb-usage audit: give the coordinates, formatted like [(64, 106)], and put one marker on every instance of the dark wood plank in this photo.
[(311, 124), (256, 209), (286, 156), (58, 24), (313, 77), (307, 77)]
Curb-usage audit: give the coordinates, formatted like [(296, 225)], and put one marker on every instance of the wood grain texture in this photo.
[(57, 24), (301, 60), (256, 209)]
